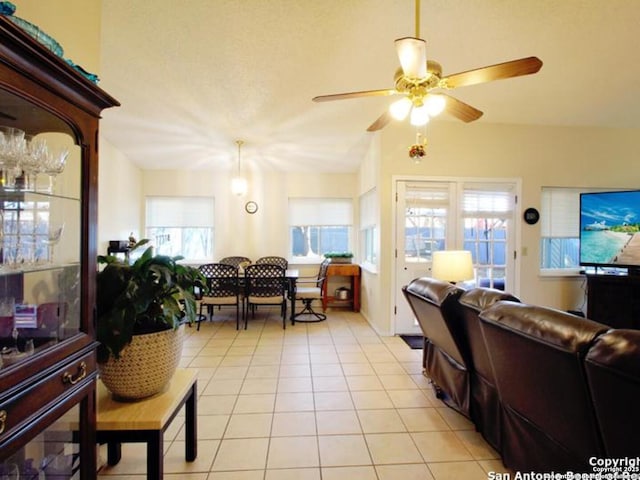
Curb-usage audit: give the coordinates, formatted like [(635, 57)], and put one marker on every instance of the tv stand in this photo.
[(614, 299)]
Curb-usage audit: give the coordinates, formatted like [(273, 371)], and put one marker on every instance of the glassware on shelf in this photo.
[(12, 147), (32, 161), (54, 234), (53, 165)]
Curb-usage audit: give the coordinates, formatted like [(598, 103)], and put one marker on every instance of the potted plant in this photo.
[(339, 257), (141, 309)]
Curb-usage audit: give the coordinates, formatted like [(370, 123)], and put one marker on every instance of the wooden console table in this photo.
[(146, 421), (344, 270)]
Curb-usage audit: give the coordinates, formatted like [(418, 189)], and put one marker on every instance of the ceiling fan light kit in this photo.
[(422, 86)]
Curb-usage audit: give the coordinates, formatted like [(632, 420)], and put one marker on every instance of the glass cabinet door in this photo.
[(53, 454), (40, 231)]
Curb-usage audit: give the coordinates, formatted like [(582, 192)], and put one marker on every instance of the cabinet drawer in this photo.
[(349, 270), (35, 399)]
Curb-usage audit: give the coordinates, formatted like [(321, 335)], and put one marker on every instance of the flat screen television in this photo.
[(610, 229)]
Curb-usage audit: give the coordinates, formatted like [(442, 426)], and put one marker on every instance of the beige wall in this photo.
[(119, 193), (74, 24)]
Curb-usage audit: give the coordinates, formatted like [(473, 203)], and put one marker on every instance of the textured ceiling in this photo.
[(195, 76)]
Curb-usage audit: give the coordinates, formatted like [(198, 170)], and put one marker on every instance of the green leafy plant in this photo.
[(338, 255), (152, 294)]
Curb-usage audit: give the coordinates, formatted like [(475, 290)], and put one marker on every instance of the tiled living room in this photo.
[(329, 400)]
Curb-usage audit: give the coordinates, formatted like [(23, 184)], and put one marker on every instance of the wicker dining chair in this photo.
[(223, 290), (274, 260), (265, 285), (235, 261), (308, 289)]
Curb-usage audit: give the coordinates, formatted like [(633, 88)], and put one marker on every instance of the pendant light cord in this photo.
[(239, 142)]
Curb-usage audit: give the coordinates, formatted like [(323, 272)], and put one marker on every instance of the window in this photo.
[(181, 226), (427, 208), (487, 210), (560, 228), (369, 226), (318, 226)]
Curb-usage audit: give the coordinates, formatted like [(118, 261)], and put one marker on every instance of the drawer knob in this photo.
[(3, 420), (80, 374)]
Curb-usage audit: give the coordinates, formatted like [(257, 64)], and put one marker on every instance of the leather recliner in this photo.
[(445, 358), (613, 373), (485, 402), (537, 355)]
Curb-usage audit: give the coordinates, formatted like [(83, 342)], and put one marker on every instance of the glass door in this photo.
[(423, 219), (453, 215)]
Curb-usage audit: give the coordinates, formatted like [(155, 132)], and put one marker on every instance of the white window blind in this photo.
[(487, 200), (560, 212), (320, 211), (368, 209), (427, 195), (179, 212)]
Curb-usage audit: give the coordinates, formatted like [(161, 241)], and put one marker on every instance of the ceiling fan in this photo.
[(420, 83)]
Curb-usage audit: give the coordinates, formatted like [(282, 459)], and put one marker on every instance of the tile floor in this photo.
[(330, 400)]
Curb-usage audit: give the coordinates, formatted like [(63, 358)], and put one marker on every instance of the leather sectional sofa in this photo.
[(550, 391)]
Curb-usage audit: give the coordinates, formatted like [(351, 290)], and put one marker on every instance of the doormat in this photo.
[(414, 341)]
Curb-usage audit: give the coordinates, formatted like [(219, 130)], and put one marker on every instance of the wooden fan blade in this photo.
[(461, 110), (514, 68), (364, 93), (381, 122)]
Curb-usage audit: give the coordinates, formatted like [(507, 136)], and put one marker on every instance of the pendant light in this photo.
[(239, 183)]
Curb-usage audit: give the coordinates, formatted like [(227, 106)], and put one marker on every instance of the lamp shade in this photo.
[(435, 104), (400, 108), (412, 53), (419, 116), (452, 265), (239, 186)]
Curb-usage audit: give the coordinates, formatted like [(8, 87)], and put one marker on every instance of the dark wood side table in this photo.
[(344, 270), (145, 421)]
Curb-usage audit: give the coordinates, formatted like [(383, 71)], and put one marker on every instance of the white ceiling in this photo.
[(195, 76)]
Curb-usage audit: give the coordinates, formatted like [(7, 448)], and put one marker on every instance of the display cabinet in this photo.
[(49, 115)]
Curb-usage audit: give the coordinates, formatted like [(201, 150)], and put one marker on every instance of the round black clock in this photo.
[(251, 207), (531, 216)]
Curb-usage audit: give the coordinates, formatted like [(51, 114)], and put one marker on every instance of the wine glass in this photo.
[(32, 162), (54, 234), (53, 165), (12, 146)]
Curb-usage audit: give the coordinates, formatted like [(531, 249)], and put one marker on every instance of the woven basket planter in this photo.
[(145, 366)]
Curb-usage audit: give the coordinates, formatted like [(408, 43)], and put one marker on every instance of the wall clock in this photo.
[(251, 207), (531, 216)]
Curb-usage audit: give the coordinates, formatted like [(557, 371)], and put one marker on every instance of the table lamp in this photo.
[(452, 265)]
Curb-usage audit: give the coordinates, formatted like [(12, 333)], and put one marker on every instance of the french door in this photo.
[(452, 215)]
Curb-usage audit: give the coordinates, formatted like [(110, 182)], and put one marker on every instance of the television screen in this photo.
[(610, 229)]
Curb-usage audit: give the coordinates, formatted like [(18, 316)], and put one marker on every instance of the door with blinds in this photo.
[(453, 215)]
